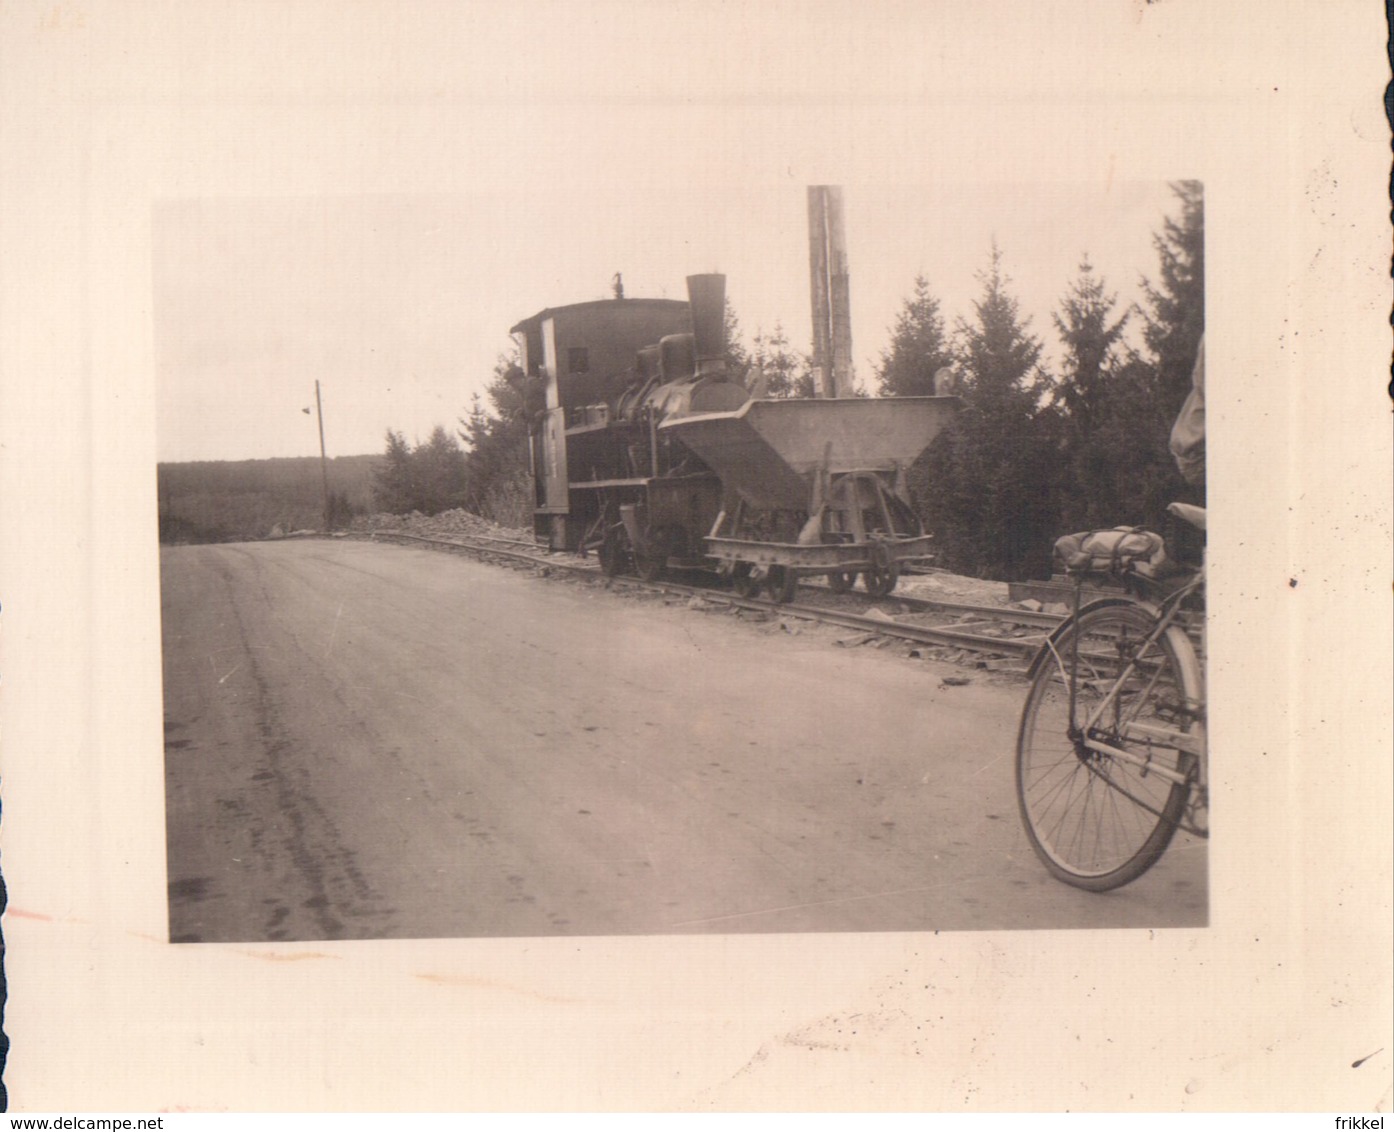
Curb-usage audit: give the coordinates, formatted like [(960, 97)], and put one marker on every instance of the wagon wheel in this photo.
[(650, 566), (742, 582), (653, 560), (879, 581), (884, 572), (840, 581), (781, 583), (612, 553)]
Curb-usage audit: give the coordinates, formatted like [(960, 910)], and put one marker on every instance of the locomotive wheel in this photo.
[(840, 581), (742, 582), (879, 582), (781, 583)]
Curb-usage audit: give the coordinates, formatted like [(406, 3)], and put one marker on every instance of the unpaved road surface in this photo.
[(367, 741)]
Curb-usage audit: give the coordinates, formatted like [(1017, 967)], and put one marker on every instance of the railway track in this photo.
[(1008, 635)]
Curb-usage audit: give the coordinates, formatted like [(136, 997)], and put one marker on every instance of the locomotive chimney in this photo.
[(706, 294)]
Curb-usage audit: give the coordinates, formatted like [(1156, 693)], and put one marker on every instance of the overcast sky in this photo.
[(374, 201), (399, 305)]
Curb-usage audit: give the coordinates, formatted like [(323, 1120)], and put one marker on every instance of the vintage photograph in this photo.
[(694, 557), (854, 585)]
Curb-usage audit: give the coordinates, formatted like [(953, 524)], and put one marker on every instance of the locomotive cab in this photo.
[(609, 371)]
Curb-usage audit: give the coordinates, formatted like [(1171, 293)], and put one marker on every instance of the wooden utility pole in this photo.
[(323, 461), (831, 292), (818, 280)]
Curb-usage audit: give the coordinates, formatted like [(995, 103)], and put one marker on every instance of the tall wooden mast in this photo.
[(831, 295)]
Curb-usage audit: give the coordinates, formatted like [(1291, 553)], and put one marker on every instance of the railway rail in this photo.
[(970, 634)]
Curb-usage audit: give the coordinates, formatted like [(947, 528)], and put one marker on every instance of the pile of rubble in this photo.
[(444, 525), (943, 586)]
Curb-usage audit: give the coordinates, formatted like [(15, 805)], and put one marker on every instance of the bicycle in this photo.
[(1111, 751)]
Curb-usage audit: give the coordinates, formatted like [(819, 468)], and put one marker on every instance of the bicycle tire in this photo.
[(1098, 822)]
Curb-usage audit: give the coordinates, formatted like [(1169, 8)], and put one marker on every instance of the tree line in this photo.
[(1033, 454), (236, 500)]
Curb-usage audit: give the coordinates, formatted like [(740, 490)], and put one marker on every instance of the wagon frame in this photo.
[(816, 488)]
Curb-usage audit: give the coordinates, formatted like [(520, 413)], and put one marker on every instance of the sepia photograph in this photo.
[(693, 601), (659, 557)]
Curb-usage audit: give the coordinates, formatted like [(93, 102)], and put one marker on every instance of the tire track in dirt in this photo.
[(325, 865)]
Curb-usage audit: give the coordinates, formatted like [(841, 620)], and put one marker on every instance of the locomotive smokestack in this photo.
[(707, 296)]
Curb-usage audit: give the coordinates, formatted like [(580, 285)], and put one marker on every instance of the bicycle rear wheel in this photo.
[(1096, 819)]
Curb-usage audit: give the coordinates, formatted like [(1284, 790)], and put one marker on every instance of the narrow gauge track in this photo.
[(952, 636)]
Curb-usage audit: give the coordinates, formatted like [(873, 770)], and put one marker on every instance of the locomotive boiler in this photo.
[(647, 450)]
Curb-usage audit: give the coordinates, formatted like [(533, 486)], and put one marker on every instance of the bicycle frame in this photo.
[(1164, 615)]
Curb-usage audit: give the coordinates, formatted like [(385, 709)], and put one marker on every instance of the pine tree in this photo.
[(1134, 431), (999, 355), (1120, 404), (1175, 304), (497, 475), (990, 496), (919, 347), (1092, 401), (1091, 337), (788, 373), (440, 466), (1174, 318), (737, 356), (394, 487)]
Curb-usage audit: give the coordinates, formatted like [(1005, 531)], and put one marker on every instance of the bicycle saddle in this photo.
[(1188, 512)]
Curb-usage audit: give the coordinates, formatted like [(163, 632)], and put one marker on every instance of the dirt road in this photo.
[(368, 741)]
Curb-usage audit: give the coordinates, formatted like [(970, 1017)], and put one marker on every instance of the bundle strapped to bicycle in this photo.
[(1115, 552)]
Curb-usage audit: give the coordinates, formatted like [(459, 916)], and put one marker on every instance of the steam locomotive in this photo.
[(645, 449)]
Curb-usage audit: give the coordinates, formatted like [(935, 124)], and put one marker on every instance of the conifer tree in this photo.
[(394, 488), (1174, 317), (429, 478), (440, 472), (1097, 454), (919, 347), (1092, 338), (990, 493), (788, 373), (497, 474), (737, 356), (1174, 313)]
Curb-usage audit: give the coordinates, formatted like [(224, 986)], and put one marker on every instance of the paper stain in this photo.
[(285, 957), (63, 17), (832, 1033), (23, 915), (490, 984)]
